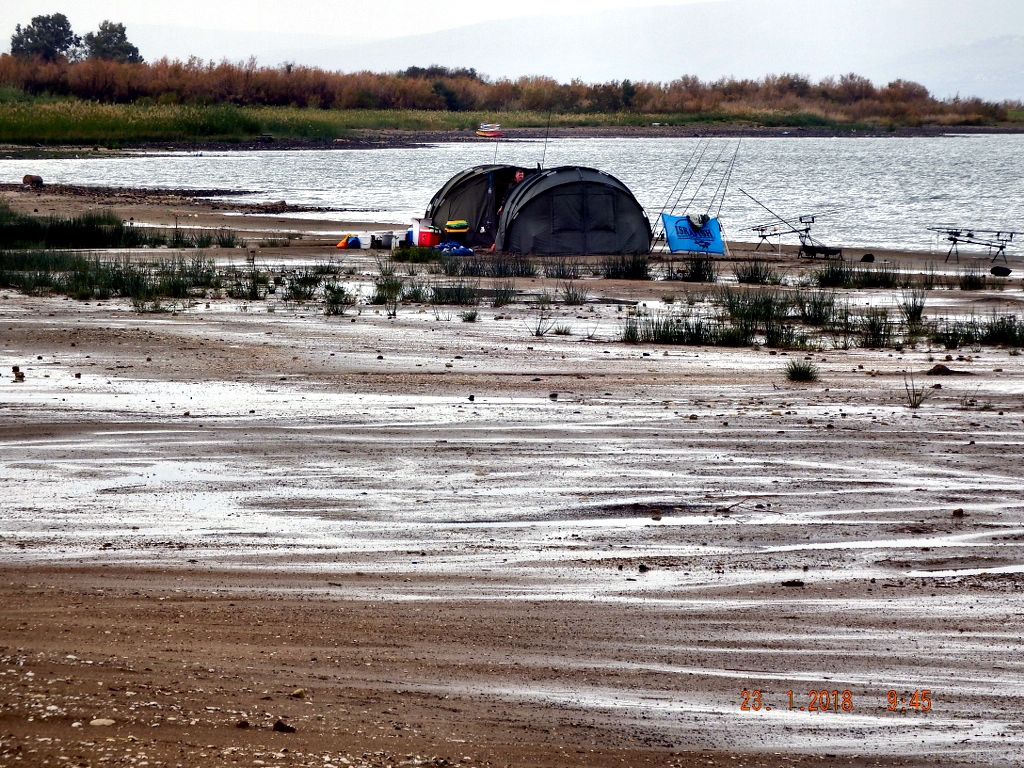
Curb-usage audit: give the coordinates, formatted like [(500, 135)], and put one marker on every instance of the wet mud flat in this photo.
[(587, 563)]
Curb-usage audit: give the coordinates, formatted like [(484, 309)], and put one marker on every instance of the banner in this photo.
[(695, 235)]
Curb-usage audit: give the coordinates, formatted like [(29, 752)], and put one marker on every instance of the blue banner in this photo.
[(683, 234)]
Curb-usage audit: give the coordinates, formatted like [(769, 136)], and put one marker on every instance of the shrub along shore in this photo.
[(104, 102)]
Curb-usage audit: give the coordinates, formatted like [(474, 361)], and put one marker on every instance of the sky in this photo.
[(325, 18), (954, 47)]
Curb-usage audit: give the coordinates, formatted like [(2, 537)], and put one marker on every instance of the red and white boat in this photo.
[(489, 131)]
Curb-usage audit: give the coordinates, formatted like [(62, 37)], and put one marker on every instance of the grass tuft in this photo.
[(573, 295), (626, 267), (802, 370), (876, 330), (757, 272), (458, 293), (915, 395), (337, 299), (504, 293)]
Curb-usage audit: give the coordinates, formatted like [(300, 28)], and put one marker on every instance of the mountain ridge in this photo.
[(781, 37)]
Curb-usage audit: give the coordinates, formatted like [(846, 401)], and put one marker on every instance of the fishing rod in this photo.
[(773, 213), (725, 180), (668, 200), (690, 178), (809, 245), (687, 165), (546, 132), (706, 177)]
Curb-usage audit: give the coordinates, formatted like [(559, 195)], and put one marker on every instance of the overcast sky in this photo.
[(326, 18)]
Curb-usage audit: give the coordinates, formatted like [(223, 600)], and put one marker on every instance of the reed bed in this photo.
[(757, 272), (249, 284), (816, 308), (572, 294), (970, 280), (85, 122), (626, 267), (72, 121), (303, 284), (458, 292), (338, 299), (499, 265), (564, 268), (994, 330), (84, 276), (682, 330), (504, 293), (88, 231), (816, 319), (698, 269), (100, 230), (841, 274), (415, 254)]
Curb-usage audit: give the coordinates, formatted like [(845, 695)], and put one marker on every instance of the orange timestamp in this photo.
[(825, 700), (817, 701), (921, 700)]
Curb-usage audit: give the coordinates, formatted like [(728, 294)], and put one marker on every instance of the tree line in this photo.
[(48, 59), (51, 39)]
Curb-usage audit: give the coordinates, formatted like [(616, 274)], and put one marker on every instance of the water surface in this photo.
[(874, 192)]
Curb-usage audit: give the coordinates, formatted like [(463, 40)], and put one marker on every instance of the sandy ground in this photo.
[(467, 544), (184, 208)]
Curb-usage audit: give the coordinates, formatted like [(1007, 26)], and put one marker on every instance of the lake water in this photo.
[(873, 192)]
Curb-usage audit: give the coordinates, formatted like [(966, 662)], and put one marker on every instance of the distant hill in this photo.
[(951, 46), (992, 69)]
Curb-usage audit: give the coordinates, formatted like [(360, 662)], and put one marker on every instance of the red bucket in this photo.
[(429, 238)]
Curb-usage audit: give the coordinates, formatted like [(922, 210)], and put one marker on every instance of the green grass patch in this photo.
[(80, 122), (49, 120)]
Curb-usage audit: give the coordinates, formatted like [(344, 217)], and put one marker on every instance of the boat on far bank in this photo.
[(490, 131)]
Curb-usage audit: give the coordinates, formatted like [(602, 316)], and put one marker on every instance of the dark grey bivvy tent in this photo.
[(572, 210), (474, 195)]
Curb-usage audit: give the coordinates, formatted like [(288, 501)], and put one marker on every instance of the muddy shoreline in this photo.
[(177, 659), (389, 139), (469, 544)]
